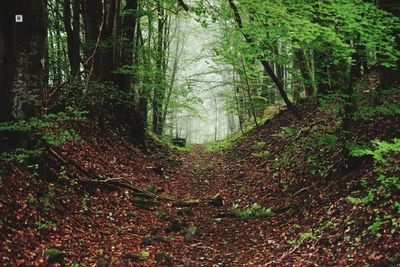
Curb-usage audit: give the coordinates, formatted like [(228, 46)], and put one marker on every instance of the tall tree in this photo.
[(72, 28), (22, 57)]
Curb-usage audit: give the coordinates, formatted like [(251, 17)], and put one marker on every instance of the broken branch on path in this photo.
[(186, 203), (116, 182), (119, 182)]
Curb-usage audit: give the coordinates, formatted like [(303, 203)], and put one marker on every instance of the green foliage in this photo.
[(225, 144), (46, 202), (374, 228), (54, 256), (365, 200), (254, 211), (309, 148), (163, 215), (85, 203), (263, 154), (144, 254), (20, 155), (155, 189), (381, 151), (379, 103), (381, 194), (47, 121), (334, 101), (41, 131), (192, 231), (303, 237), (97, 96), (367, 112), (40, 225), (259, 144), (288, 132), (132, 215), (330, 28)]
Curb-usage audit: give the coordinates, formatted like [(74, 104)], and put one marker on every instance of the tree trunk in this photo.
[(322, 73), (248, 90), (73, 31), (388, 76), (139, 119), (303, 65), (127, 46), (159, 89), (94, 23), (22, 58)]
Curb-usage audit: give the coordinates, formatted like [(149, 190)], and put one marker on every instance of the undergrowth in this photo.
[(254, 211), (319, 150), (380, 195), (37, 133)]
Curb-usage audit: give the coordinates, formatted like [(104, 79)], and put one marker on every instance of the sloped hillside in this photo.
[(283, 195), (330, 212)]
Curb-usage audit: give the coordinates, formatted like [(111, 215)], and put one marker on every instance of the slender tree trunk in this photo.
[(139, 118), (248, 90), (58, 45), (216, 116), (237, 101), (350, 104), (159, 89), (178, 52)]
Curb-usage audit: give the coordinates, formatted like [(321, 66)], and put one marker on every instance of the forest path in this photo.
[(222, 240)]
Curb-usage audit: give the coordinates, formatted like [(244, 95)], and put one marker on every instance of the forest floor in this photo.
[(94, 224)]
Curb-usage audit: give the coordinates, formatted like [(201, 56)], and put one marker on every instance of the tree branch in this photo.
[(183, 4)]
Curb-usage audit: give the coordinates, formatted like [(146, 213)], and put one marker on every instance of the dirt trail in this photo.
[(223, 240), (202, 174), (103, 226)]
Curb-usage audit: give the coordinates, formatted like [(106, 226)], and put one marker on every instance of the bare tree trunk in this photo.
[(123, 56), (216, 115), (159, 89), (178, 52), (248, 90), (22, 51), (73, 31), (128, 33), (237, 101)]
